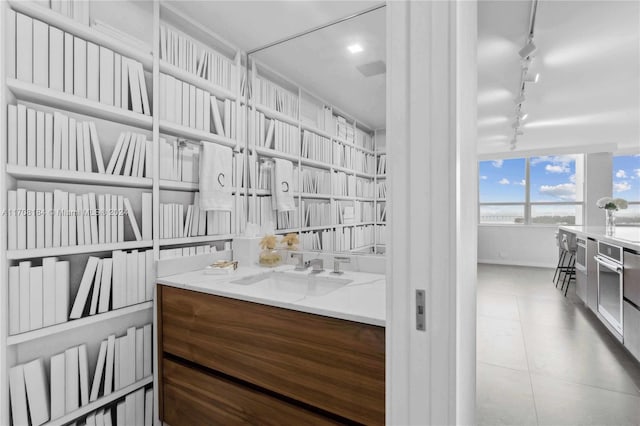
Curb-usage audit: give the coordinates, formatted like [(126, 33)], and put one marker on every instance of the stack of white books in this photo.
[(276, 97), (316, 213), (344, 130), (48, 57), (310, 240), (174, 223), (381, 214), (382, 189), (363, 211), (381, 234), (187, 251), (276, 134), (38, 295), (132, 156), (364, 187), (316, 147), (179, 162), (316, 181), (363, 139), (382, 164)]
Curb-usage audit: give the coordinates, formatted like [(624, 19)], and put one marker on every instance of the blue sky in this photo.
[(626, 177), (552, 179)]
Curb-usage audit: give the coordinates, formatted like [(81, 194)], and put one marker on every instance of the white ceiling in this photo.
[(589, 63), (319, 62)]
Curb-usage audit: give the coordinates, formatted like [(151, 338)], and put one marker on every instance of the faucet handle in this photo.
[(336, 264)]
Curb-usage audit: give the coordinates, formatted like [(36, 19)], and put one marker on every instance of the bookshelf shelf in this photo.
[(365, 175), (218, 91), (70, 176), (181, 131), (312, 129), (315, 163), (312, 195), (178, 185), (100, 402), (190, 240), (342, 197), (75, 324), (69, 250), (347, 143), (276, 154), (381, 176), (56, 99), (271, 113), (83, 31), (366, 199), (261, 192)]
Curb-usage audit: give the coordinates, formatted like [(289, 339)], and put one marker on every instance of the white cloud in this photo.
[(504, 181), (497, 163), (621, 174), (521, 183), (621, 186), (637, 172), (572, 178), (564, 159), (483, 177), (563, 191), (557, 168)]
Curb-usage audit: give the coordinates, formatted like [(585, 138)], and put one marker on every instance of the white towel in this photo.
[(215, 177), (282, 188)]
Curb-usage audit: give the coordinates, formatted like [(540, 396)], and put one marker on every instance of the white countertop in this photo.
[(625, 236), (363, 300)]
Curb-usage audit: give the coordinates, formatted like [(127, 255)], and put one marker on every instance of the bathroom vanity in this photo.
[(271, 347)]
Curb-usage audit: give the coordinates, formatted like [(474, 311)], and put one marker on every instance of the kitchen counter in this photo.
[(625, 236), (363, 300)]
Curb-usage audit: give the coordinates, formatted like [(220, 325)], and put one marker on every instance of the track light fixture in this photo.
[(521, 98), (531, 78), (528, 50)]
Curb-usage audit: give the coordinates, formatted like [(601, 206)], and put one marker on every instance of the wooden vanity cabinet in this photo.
[(226, 361)]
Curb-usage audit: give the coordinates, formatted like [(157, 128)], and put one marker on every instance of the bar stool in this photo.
[(561, 257), (569, 270)]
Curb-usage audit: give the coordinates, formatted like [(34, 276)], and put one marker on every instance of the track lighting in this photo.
[(532, 78), (528, 50), (520, 99), (515, 124), (523, 115)]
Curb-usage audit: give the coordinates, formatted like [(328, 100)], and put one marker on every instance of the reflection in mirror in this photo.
[(316, 129)]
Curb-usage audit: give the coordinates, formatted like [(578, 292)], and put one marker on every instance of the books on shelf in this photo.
[(179, 162), (176, 221), (275, 134), (182, 51), (381, 189), (316, 147), (382, 164), (39, 295), (275, 97), (343, 129), (363, 211), (343, 185), (316, 114), (363, 139), (381, 234), (86, 69), (352, 158), (381, 212), (364, 187), (315, 181), (316, 213), (187, 251), (77, 10), (75, 219)]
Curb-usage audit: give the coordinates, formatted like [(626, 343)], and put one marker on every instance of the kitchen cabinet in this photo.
[(249, 360), (592, 275), (631, 317)]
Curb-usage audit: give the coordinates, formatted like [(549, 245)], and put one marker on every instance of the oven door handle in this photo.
[(608, 264)]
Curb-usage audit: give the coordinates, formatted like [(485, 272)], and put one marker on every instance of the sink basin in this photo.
[(303, 285)]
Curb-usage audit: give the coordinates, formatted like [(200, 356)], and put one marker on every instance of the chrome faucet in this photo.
[(336, 264), (301, 266), (317, 266)]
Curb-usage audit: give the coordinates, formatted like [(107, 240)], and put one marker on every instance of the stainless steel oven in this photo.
[(610, 284), (581, 254)]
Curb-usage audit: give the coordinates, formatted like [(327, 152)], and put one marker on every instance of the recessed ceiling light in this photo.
[(355, 48)]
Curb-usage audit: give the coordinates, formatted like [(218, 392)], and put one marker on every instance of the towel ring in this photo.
[(221, 179), (285, 186)]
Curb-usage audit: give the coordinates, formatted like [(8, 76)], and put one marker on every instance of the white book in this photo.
[(99, 418), (18, 392), (163, 97), (69, 61), (217, 119), (121, 210), (139, 401), (12, 134), (127, 140), (117, 80), (10, 37), (57, 217), (21, 148), (147, 350), (108, 370), (120, 363), (72, 379), (132, 278), (80, 220), (227, 118), (62, 292), (57, 386), (171, 102), (108, 421), (93, 71), (106, 76), (105, 285), (37, 396), (136, 155), (31, 220), (130, 409), (134, 84), (83, 366), (206, 112), (73, 212), (73, 144), (141, 281), (181, 96), (91, 419), (48, 291), (79, 67), (12, 221), (199, 112), (133, 144), (108, 213), (166, 159), (35, 298), (139, 354), (40, 210), (57, 139), (191, 110), (31, 138), (150, 274), (48, 219), (131, 355), (114, 155), (56, 59), (40, 53), (143, 89), (80, 154), (84, 288), (14, 300), (101, 218), (148, 161), (21, 219), (99, 371), (40, 135), (119, 265), (124, 81), (141, 160), (25, 301), (95, 293), (64, 142), (94, 219), (147, 216), (95, 141), (148, 407), (187, 222), (64, 219), (24, 48), (114, 219), (121, 416), (86, 137), (132, 219)]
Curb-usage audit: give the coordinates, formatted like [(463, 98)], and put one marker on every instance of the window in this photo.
[(538, 190), (626, 184)]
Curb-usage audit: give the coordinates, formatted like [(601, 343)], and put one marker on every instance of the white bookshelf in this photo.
[(70, 176)]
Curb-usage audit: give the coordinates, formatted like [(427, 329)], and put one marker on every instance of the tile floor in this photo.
[(543, 359)]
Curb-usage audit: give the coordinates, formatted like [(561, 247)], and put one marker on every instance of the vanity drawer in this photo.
[(335, 365), (194, 397)]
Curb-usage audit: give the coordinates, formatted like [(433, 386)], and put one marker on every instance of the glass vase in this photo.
[(270, 258), (611, 222)]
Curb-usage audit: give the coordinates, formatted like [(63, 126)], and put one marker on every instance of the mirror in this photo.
[(316, 122)]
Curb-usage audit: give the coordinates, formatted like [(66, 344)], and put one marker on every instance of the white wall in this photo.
[(517, 245)]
